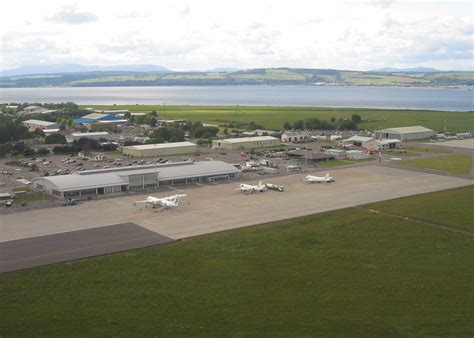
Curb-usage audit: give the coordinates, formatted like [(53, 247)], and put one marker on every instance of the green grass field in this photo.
[(353, 272), (453, 164), (428, 149), (274, 117), (337, 163)]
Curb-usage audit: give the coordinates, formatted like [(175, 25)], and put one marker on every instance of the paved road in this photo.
[(43, 250)]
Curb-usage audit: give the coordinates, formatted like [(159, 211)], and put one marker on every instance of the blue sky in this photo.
[(197, 35)]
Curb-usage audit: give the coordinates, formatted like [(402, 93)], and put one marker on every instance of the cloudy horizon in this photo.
[(187, 35)]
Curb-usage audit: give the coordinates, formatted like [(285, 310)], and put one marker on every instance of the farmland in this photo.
[(273, 117)]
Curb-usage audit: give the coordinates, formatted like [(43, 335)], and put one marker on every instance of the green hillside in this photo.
[(262, 76)]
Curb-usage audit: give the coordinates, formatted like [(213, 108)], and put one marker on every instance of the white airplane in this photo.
[(319, 179), (164, 202), (250, 189)]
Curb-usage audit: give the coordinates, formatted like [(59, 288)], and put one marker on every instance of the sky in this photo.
[(204, 34)]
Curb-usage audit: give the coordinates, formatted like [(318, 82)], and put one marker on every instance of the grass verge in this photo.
[(351, 272), (453, 164)]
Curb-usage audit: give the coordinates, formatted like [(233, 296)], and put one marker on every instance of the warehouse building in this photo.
[(384, 144), (99, 135), (295, 136), (161, 149), (246, 142), (116, 180), (356, 140), (405, 133), (32, 125), (308, 158), (100, 119)]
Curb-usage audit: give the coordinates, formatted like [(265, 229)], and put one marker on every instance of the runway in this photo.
[(211, 208), (49, 249)]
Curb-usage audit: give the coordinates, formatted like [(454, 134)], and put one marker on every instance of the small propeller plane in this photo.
[(250, 189), (163, 202), (319, 179)]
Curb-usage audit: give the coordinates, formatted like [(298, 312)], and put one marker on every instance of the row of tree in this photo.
[(20, 148), (177, 132), (84, 144), (332, 124)]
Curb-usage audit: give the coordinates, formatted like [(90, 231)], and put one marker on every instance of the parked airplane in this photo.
[(319, 179), (250, 189), (164, 202)]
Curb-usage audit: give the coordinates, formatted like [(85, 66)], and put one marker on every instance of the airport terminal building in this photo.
[(116, 180)]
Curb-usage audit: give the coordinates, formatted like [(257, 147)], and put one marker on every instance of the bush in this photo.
[(55, 139)]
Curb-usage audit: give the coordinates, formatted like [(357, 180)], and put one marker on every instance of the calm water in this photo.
[(363, 97)]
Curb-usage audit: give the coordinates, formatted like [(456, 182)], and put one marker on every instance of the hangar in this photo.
[(115, 180), (405, 133), (161, 149), (246, 142)]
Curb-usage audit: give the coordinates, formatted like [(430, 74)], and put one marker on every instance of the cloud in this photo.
[(349, 34), (71, 15)]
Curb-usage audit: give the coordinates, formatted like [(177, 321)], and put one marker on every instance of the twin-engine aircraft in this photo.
[(164, 202), (250, 189), (319, 179)]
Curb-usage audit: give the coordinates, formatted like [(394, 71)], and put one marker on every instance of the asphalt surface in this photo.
[(44, 250), (46, 236)]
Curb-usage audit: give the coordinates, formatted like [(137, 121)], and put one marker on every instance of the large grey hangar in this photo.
[(115, 180)]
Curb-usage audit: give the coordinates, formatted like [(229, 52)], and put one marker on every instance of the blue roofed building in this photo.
[(101, 119)]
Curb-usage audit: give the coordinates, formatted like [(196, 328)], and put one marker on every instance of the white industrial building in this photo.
[(161, 149), (115, 180), (294, 136), (246, 142), (405, 133), (356, 140), (383, 144), (32, 125), (98, 135)]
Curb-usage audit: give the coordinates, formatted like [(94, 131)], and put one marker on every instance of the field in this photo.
[(274, 117), (337, 163), (267, 76), (354, 272), (428, 149), (453, 164)]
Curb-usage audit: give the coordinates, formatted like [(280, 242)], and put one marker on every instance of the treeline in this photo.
[(11, 130), (149, 119), (179, 131), (332, 124), (84, 144), (20, 148)]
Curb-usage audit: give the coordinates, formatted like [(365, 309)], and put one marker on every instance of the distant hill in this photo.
[(223, 70), (139, 75), (407, 70), (62, 68)]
